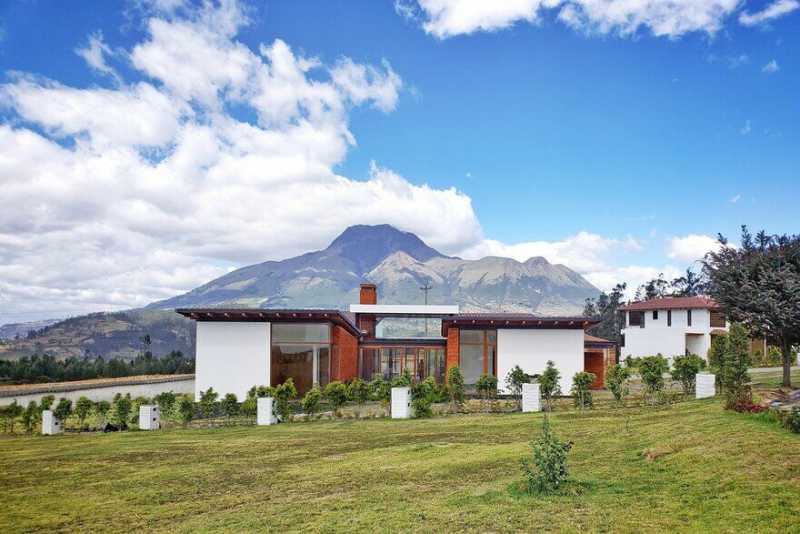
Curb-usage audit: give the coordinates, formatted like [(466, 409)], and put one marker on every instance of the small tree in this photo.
[(311, 401), (422, 397), (121, 410), (402, 381), (547, 470), (63, 409), (734, 377), (336, 394), (617, 377), (47, 402), (165, 401), (380, 390), (102, 408), (30, 416), (230, 405), (12, 412), (486, 386), (515, 378), (358, 391), (652, 369), (208, 402), (186, 409), (283, 393), (83, 407), (549, 384), (455, 386), (685, 369), (580, 389)]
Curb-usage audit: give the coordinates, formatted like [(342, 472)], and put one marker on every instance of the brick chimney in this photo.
[(369, 294)]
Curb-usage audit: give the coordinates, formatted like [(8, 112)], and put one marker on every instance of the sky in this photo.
[(149, 146)]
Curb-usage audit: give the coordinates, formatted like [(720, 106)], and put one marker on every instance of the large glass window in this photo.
[(477, 353), (390, 362), (300, 351)]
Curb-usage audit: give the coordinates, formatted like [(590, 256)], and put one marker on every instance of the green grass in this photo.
[(713, 471)]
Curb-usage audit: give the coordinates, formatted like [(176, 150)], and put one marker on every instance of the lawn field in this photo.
[(691, 467)]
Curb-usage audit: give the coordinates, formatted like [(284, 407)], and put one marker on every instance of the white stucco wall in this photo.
[(231, 357), (530, 349), (658, 338), (105, 393)]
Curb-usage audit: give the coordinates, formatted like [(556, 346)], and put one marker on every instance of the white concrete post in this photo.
[(264, 413), (705, 386), (51, 425), (401, 403), (149, 417), (531, 398)]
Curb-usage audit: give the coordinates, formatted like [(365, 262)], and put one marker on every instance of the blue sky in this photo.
[(619, 149)]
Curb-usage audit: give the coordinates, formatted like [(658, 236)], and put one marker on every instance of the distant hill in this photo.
[(397, 262), (14, 330)]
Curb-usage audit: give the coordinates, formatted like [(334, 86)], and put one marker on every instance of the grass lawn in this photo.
[(712, 471)]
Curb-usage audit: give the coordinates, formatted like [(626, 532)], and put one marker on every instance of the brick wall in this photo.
[(344, 361), (452, 358)]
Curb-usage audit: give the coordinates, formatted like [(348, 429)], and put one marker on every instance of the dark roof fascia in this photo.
[(271, 315)]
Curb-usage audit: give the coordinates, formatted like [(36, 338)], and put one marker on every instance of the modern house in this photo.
[(239, 348)]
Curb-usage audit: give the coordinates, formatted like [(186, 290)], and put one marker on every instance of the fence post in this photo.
[(705, 386), (401, 403), (51, 425), (531, 398), (149, 417)]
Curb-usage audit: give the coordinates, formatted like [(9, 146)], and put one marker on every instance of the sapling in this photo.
[(549, 384), (547, 470), (580, 389), (83, 406)]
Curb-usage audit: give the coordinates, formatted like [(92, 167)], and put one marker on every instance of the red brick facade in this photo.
[(451, 358), (344, 360)]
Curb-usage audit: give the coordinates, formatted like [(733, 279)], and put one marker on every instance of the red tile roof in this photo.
[(594, 339), (673, 303)]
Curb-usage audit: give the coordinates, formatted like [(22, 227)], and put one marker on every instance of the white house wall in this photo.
[(232, 357), (658, 338), (530, 349)]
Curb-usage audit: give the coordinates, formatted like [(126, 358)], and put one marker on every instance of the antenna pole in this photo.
[(425, 288)]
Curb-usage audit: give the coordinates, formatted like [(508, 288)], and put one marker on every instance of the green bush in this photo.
[(186, 409), (423, 394), (166, 402), (792, 420), (616, 381), (282, 394), (10, 413), (121, 410), (47, 402), (380, 390), (208, 402), (734, 378), (580, 389), (137, 402), (685, 369), (30, 416), (547, 470), (652, 369), (402, 381), (311, 401), (336, 394), (632, 362), (230, 405), (62, 410), (102, 408), (549, 384), (515, 378), (358, 391), (83, 407), (486, 386), (455, 385)]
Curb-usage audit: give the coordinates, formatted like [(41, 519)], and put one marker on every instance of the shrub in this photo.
[(230, 405), (515, 378), (438, 392), (402, 381), (102, 408), (632, 362), (282, 394), (380, 390), (83, 406), (165, 401), (11, 412), (422, 396), (208, 402), (63, 409), (580, 389), (455, 385), (185, 409), (546, 471), (358, 391), (47, 402), (617, 377), (486, 386), (336, 394), (549, 385), (652, 369), (121, 410), (792, 421), (685, 369), (311, 401), (249, 407), (30, 416), (734, 378)]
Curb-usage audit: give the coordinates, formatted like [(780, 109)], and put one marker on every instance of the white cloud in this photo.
[(735, 198), (632, 275), (691, 248), (747, 128), (95, 52), (771, 67), (669, 18), (777, 9)]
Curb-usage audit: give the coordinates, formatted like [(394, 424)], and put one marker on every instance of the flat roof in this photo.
[(272, 316), (405, 310)]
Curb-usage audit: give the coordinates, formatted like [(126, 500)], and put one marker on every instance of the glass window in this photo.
[(301, 333), (689, 317), (478, 353), (471, 337), (471, 363)]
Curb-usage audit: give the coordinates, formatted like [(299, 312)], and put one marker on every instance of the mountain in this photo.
[(397, 262), (17, 330)]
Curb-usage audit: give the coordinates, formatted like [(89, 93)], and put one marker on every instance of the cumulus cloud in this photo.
[(777, 9), (95, 52), (668, 18), (691, 247)]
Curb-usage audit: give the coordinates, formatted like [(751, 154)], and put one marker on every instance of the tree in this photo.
[(208, 402), (165, 401), (606, 310), (685, 369), (358, 391), (690, 285), (83, 406), (283, 393), (186, 408), (63, 409), (580, 389), (547, 470), (735, 362), (230, 405), (487, 388), (758, 285), (30, 416), (652, 369), (102, 408), (616, 380), (47, 402), (549, 385), (455, 386), (121, 412), (12, 412), (654, 289), (515, 378), (336, 394)]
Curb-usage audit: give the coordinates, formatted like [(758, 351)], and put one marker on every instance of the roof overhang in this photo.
[(516, 321), (405, 310), (270, 316)]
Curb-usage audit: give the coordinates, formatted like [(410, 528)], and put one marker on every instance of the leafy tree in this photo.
[(63, 409), (690, 284), (515, 378), (549, 384), (47, 402), (102, 408), (358, 391), (606, 310), (165, 401), (336, 394), (580, 389), (455, 386), (186, 409), (11, 413), (230, 405), (757, 285), (654, 289), (733, 376), (83, 407), (311, 401), (652, 369), (208, 402), (283, 393), (685, 369), (616, 380), (121, 410), (30, 416), (547, 470)]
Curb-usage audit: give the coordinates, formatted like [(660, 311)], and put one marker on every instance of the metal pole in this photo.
[(426, 288)]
